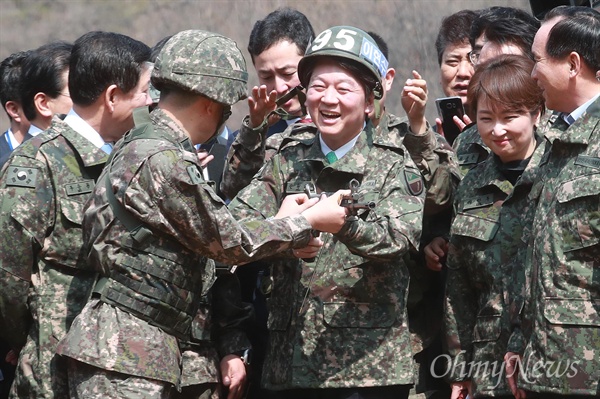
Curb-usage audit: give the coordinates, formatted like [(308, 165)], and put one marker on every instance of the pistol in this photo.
[(351, 201)]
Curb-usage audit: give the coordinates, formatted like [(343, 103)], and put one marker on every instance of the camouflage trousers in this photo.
[(89, 382)]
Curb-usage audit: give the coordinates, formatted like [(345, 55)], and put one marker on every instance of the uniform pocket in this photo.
[(574, 311), (487, 328), (579, 212), (72, 210), (468, 225), (359, 315)]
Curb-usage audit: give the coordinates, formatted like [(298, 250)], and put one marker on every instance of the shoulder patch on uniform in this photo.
[(81, 187), (584, 160), (21, 176), (414, 182), (195, 174)]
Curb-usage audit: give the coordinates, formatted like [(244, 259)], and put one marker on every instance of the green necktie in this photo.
[(331, 157)]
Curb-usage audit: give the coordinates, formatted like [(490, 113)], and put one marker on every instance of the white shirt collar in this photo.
[(573, 116), (10, 138), (34, 130), (340, 152), (83, 128)]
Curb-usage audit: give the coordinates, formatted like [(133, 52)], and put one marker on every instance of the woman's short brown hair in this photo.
[(506, 81)]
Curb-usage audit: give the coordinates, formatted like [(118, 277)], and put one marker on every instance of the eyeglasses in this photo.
[(474, 56)]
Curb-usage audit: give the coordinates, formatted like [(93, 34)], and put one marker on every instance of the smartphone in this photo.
[(447, 107)]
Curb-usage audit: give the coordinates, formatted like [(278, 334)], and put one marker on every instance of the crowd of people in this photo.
[(327, 249)]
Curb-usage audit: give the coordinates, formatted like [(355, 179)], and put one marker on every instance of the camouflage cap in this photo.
[(205, 63)]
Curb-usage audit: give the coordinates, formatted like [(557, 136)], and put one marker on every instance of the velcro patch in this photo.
[(21, 177), (479, 202), (296, 187), (82, 187), (414, 182), (592, 162), (468, 159), (195, 174)]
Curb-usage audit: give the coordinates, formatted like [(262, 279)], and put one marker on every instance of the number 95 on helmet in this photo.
[(204, 63), (350, 43)]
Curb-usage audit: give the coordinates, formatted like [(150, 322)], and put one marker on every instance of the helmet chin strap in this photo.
[(224, 116), (378, 94)]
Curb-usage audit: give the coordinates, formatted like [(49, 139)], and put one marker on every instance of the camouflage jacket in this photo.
[(158, 180), (251, 149), (561, 321), (43, 189), (340, 320), (470, 149), (486, 271), (432, 154)]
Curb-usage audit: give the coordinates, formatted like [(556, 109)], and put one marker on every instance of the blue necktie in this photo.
[(107, 148)]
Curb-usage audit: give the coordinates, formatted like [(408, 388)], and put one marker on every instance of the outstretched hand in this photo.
[(260, 104), (414, 100)]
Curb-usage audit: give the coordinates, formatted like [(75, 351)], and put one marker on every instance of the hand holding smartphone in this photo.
[(447, 108)]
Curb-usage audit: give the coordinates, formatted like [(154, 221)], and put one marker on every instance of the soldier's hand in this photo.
[(233, 375), (310, 251), (260, 104), (12, 357), (294, 204), (512, 361), (204, 158), (435, 252), (327, 215), (414, 100), (460, 390)]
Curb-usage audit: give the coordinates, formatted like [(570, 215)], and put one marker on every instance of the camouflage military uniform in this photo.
[(470, 149), (486, 271), (438, 166), (340, 320), (43, 189), (561, 322), (133, 327)]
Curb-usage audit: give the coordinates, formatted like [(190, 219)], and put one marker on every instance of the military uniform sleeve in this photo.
[(393, 228), (26, 209), (231, 315), (180, 203), (460, 310), (244, 159)]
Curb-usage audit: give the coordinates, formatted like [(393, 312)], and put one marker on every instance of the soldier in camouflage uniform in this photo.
[(149, 228), (43, 189), (560, 322), (338, 323), (493, 215)]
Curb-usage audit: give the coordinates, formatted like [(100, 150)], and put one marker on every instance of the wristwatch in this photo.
[(245, 355)]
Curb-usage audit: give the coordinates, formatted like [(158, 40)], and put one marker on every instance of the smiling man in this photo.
[(559, 324)]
